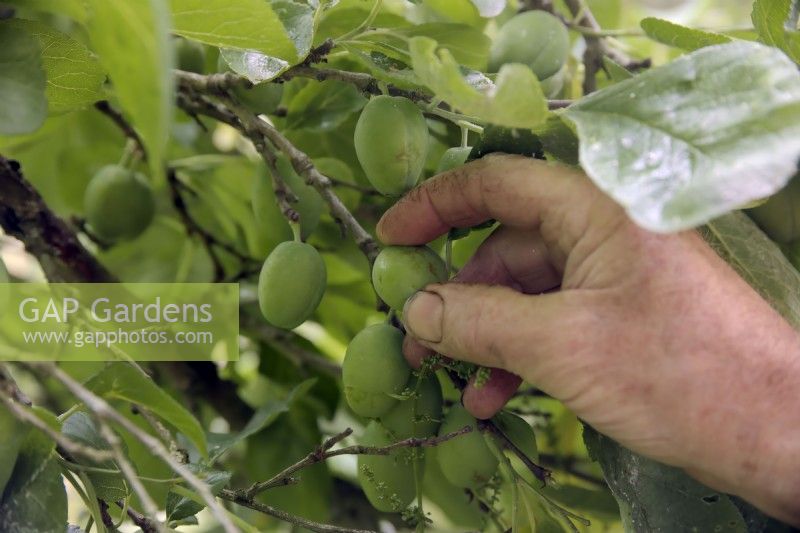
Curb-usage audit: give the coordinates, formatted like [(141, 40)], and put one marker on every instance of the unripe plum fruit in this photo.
[(387, 480), (420, 414), (453, 157), (391, 142), (190, 55), (309, 203), (291, 284), (534, 38), (374, 369), (119, 203), (466, 460), (460, 508), (779, 217), (400, 271)]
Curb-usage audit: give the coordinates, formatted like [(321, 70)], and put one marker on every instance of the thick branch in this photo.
[(24, 215)]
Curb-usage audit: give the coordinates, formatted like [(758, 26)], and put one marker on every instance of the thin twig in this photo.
[(103, 410), (128, 472), (541, 473), (107, 109), (158, 426)]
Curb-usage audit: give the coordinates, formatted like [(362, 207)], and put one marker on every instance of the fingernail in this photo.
[(423, 314)]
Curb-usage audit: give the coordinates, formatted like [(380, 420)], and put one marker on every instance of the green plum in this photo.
[(119, 203), (387, 480), (391, 142), (453, 157), (374, 369), (466, 460), (459, 507), (420, 414), (291, 284), (400, 271), (534, 38)]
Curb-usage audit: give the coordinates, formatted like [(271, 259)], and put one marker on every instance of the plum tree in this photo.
[(420, 414), (309, 204), (291, 284), (391, 142), (119, 203), (533, 38), (400, 271), (518, 432), (189, 55), (387, 480), (779, 217), (374, 369), (261, 98), (453, 157), (466, 461)]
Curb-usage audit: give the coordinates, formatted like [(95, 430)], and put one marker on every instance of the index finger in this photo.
[(515, 190)]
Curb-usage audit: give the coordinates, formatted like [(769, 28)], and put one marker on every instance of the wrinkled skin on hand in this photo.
[(651, 339)]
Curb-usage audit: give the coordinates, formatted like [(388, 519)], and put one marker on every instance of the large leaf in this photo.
[(23, 106), (656, 497), (244, 24), (515, 100), (122, 381), (35, 498), (672, 34), (686, 142), (180, 507), (770, 19), (758, 261), (74, 76), (135, 48), (259, 65)]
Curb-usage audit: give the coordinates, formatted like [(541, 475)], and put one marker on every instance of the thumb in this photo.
[(495, 326)]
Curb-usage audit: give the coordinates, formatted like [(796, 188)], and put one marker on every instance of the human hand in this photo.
[(651, 339)]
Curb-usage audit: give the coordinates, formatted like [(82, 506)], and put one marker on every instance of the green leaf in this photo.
[(689, 141), (671, 34), (515, 100), (181, 507), (135, 48), (758, 260), (263, 417), (244, 24), (81, 428), (656, 497), (615, 71), (23, 106), (122, 381), (323, 106), (35, 498), (770, 18), (74, 76)]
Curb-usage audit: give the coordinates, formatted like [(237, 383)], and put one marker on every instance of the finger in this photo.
[(414, 352), (518, 191), (498, 327), (486, 400), (515, 258)]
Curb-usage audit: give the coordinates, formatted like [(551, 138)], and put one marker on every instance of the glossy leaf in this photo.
[(122, 381), (139, 60), (671, 34), (686, 142), (74, 76), (23, 106), (514, 101)]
